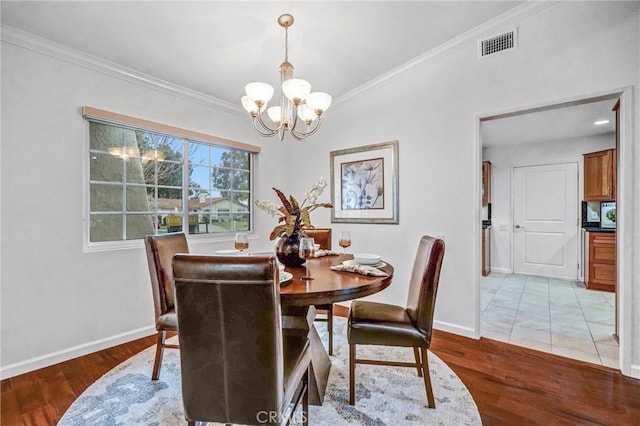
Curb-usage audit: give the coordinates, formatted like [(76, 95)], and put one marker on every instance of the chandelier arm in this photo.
[(299, 135), (261, 131), (265, 126)]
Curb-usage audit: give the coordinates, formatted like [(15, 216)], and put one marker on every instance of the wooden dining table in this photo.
[(298, 298)]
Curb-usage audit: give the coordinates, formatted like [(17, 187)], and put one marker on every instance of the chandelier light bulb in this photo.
[(296, 89), (259, 91), (306, 114), (275, 114), (319, 102), (249, 105)]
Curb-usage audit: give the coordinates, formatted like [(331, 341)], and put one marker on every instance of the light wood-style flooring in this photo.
[(510, 384)]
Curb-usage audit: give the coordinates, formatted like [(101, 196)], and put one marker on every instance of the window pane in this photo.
[(172, 194), (105, 167), (105, 227), (139, 225), (199, 177), (139, 199), (222, 222), (136, 171), (240, 202), (117, 141), (241, 222), (241, 181), (106, 198), (198, 153), (174, 223)]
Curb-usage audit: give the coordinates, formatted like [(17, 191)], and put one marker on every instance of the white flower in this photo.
[(316, 191), (269, 207)]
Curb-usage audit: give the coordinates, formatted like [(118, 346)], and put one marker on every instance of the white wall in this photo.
[(567, 50), (504, 158), (58, 301)]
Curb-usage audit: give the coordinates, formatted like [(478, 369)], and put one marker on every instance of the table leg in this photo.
[(299, 320)]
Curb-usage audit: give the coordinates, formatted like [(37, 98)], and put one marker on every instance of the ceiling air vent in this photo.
[(498, 44)]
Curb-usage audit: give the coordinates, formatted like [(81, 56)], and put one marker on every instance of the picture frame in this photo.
[(364, 184)]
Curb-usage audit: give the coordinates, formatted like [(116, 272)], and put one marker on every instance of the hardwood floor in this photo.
[(510, 384)]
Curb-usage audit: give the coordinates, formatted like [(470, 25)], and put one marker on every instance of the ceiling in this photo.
[(216, 47), (563, 122)]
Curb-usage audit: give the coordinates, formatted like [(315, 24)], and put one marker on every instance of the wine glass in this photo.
[(345, 240), (306, 251), (242, 242)]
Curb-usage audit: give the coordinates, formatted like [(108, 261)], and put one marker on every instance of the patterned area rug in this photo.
[(384, 395)]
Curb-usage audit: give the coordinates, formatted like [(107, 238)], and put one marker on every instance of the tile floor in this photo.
[(550, 315)]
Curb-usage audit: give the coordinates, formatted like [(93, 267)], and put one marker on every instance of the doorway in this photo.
[(532, 297)]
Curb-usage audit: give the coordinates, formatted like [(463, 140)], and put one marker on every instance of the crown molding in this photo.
[(64, 53), (526, 9)]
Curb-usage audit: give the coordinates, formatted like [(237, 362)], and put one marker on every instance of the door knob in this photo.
[(519, 227)]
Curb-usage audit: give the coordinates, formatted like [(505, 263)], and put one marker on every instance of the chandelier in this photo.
[(297, 103)]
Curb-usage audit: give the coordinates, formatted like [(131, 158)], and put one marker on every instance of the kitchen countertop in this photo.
[(597, 229)]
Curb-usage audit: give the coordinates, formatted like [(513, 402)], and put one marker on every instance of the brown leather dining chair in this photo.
[(372, 323), (160, 250), (322, 236), (237, 367)]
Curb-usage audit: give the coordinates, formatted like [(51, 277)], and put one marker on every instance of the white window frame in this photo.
[(91, 114)]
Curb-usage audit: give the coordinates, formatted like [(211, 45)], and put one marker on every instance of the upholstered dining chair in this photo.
[(237, 367), (372, 323), (322, 236), (160, 250)]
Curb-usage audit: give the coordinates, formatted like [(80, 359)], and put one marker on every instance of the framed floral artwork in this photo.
[(364, 184)]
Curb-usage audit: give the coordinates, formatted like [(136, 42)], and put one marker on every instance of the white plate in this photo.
[(229, 251), (353, 262), (285, 276)]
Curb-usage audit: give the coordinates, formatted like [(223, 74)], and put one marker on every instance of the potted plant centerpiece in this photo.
[(293, 219)]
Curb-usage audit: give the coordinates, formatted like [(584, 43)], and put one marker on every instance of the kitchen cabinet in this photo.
[(486, 251), (486, 182), (602, 261), (600, 175)]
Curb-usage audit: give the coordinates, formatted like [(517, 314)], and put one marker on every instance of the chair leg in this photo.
[(305, 400), (427, 378), (330, 328), (352, 374), (159, 353), (416, 354)]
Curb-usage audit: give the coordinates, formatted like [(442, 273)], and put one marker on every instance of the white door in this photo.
[(545, 220)]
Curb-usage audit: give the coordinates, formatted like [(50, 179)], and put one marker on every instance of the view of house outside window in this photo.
[(144, 183)]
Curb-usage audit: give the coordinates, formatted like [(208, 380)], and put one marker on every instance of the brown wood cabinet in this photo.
[(600, 175), (602, 261), (486, 251), (486, 182)]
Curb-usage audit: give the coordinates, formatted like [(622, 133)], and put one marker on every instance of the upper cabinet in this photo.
[(600, 175), (486, 182)]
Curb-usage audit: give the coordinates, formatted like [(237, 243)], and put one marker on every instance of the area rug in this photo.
[(384, 395)]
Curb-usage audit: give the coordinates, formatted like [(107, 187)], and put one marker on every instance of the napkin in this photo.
[(360, 269), (321, 253)]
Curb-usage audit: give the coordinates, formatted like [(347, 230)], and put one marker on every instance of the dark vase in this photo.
[(287, 250)]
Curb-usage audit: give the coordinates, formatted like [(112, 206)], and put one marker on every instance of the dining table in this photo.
[(298, 297)]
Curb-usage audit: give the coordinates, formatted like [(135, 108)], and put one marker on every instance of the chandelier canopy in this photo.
[(297, 103)]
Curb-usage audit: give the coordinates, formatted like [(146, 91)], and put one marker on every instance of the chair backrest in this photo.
[(423, 286), (321, 236), (230, 336), (160, 250)]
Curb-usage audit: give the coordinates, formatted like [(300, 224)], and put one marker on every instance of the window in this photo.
[(143, 181)]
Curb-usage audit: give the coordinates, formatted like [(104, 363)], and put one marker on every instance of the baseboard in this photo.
[(73, 352), (502, 270), (456, 329), (634, 371)]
